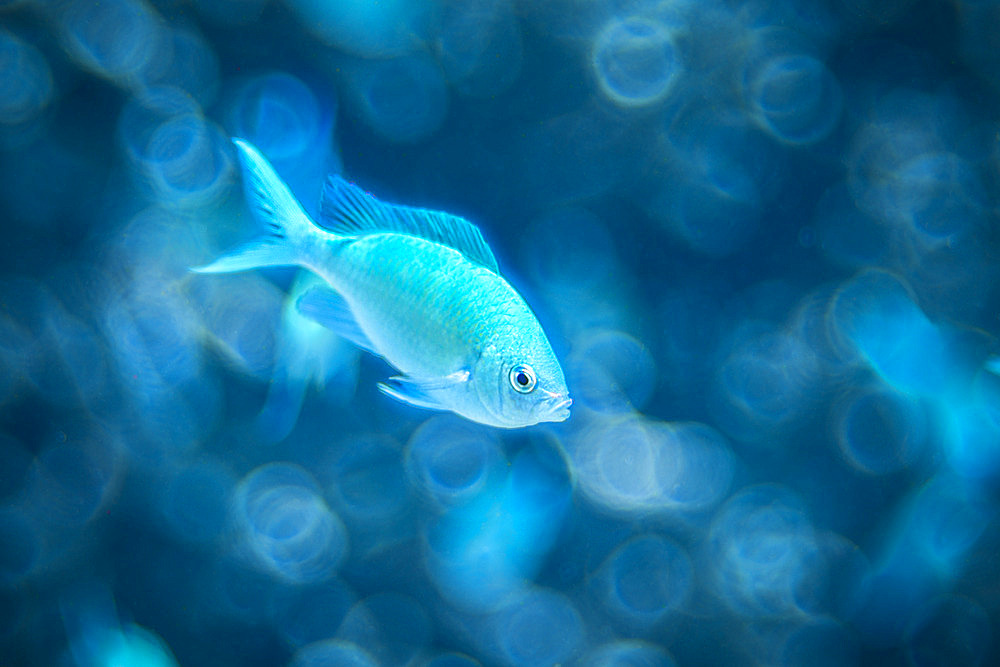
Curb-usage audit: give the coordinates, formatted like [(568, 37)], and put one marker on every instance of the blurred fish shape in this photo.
[(306, 354), (419, 288)]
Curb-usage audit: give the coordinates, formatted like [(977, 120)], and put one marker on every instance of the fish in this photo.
[(419, 288)]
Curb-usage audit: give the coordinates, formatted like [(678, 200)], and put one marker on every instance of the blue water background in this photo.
[(762, 237)]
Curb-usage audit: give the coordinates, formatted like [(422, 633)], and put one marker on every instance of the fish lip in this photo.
[(563, 405), (558, 407)]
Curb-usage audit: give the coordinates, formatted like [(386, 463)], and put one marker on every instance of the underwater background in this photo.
[(761, 236)]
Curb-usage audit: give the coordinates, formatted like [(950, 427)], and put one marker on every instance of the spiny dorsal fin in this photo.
[(347, 209)]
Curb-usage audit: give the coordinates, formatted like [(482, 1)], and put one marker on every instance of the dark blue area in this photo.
[(761, 237)]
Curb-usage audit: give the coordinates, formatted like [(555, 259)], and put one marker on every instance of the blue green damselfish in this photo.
[(419, 288)]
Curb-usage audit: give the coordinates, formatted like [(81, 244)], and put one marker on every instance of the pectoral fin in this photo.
[(324, 306), (420, 391)]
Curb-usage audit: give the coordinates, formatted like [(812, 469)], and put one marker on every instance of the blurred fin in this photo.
[(288, 227), (324, 306), (91, 620), (280, 413), (347, 209), (417, 391), (993, 365)]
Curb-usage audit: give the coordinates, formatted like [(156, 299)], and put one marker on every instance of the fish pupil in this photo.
[(522, 379)]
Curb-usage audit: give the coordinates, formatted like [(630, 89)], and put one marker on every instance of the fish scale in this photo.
[(416, 292)]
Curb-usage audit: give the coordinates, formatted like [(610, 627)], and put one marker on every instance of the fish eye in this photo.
[(522, 378)]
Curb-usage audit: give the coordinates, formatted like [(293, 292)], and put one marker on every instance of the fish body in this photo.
[(419, 288)]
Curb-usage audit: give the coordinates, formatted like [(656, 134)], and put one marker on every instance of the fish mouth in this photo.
[(557, 408)]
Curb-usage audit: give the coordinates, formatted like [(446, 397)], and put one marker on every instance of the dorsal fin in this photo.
[(347, 209)]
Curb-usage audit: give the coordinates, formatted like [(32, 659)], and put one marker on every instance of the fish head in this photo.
[(520, 383)]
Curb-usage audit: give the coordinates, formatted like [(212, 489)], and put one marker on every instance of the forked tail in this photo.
[(290, 232)]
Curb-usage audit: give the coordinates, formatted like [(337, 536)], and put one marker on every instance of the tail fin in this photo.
[(289, 229)]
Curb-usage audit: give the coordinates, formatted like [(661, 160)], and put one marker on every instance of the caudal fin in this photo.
[(289, 229)]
